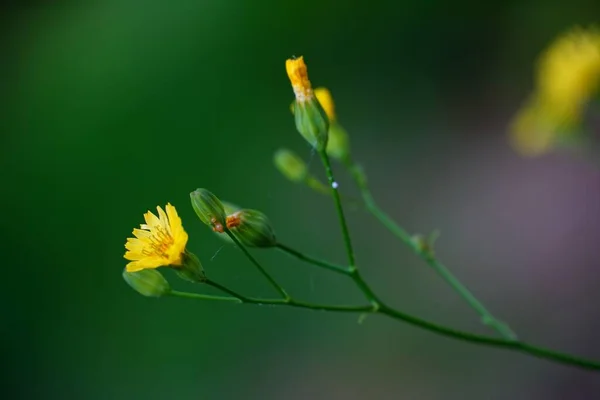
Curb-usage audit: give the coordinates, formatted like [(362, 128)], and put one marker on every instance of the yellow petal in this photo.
[(151, 219), (151, 262), (324, 97), (164, 221), (141, 234), (174, 221)]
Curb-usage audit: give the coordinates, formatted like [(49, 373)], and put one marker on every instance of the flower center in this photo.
[(160, 241)]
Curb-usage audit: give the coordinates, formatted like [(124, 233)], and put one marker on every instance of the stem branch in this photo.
[(271, 280), (486, 316)]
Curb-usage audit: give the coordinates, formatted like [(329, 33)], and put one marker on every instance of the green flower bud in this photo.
[(191, 269), (338, 145), (147, 282), (312, 122), (208, 208), (290, 165), (252, 228), (311, 119), (230, 209)]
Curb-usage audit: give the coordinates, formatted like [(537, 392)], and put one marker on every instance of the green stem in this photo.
[(383, 309), (271, 280), (338, 207), (514, 345), (224, 289), (275, 302), (320, 263), (176, 293), (353, 270), (486, 317)]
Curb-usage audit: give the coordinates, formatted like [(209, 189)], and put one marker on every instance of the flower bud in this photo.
[(311, 119), (230, 209), (326, 101), (252, 228), (290, 165), (338, 145), (208, 208), (147, 282), (191, 269)]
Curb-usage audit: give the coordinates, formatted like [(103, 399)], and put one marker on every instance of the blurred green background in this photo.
[(112, 107)]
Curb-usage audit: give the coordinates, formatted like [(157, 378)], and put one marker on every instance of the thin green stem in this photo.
[(275, 302), (320, 263), (271, 280), (354, 272), (338, 207), (514, 345), (224, 289), (486, 316), (176, 293), (384, 309), (365, 288)]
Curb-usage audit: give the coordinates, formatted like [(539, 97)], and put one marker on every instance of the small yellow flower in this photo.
[(533, 131), (160, 242), (326, 100), (569, 73), (298, 74)]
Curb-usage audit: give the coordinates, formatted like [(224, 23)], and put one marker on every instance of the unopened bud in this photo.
[(326, 101), (230, 208), (147, 282), (208, 208), (290, 165), (311, 119), (252, 228), (191, 269), (338, 144)]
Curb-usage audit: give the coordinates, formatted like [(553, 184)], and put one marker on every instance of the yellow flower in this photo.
[(160, 242), (298, 74), (533, 132), (569, 73), (324, 97)]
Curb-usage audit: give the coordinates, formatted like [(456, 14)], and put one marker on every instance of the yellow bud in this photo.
[(298, 74), (147, 282), (290, 165), (338, 144), (310, 117), (324, 97)]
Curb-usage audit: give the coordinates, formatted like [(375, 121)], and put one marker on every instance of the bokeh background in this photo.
[(112, 107)]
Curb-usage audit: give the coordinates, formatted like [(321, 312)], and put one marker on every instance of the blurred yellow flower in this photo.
[(324, 97), (298, 74), (533, 132), (568, 74), (160, 242)]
